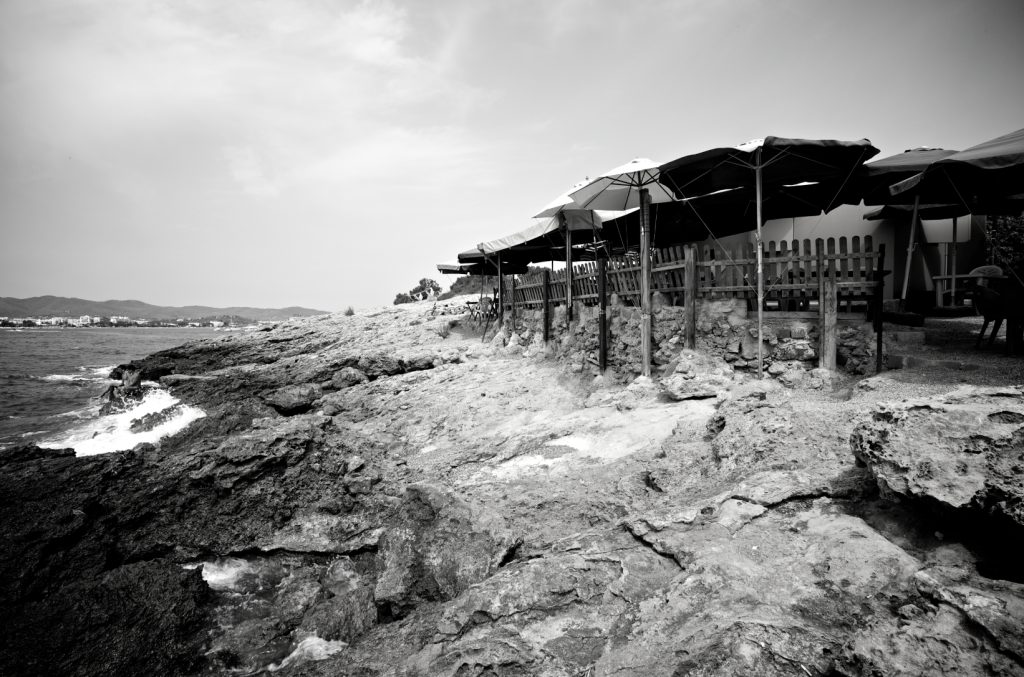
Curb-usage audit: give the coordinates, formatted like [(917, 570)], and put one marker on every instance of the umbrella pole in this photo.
[(568, 269), (760, 275), (952, 282), (910, 255), (645, 284)]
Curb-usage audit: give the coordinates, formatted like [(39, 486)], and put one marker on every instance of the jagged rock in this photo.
[(678, 387), (377, 365), (292, 400), (348, 377), (962, 450), (152, 420), (436, 547)]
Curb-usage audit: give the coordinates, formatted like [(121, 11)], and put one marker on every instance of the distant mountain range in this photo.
[(62, 305)]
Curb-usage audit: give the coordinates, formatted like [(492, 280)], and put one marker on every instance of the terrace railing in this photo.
[(800, 280)]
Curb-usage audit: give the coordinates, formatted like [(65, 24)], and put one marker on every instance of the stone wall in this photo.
[(725, 329)]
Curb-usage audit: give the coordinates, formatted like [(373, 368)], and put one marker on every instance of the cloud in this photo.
[(279, 87), (246, 169)]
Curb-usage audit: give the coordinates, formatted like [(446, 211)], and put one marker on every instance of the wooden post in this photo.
[(910, 254), (690, 296), (829, 307), (879, 302), (547, 303), (501, 294), (513, 299), (602, 324), (952, 281), (568, 268), (760, 273), (645, 284)]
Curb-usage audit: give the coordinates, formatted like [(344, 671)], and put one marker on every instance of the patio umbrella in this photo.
[(634, 184), (934, 212), (989, 171), (986, 179), (871, 183), (766, 165), (717, 215), (573, 217), (485, 268)]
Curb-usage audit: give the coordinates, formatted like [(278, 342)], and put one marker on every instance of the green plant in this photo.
[(1006, 237), (349, 311)]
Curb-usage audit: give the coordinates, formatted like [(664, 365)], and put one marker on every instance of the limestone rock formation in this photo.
[(962, 451)]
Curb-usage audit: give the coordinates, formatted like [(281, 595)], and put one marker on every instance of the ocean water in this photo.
[(48, 377)]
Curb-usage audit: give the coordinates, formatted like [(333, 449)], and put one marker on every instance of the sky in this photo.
[(327, 154)]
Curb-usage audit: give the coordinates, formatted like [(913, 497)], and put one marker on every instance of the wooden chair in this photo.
[(986, 300)]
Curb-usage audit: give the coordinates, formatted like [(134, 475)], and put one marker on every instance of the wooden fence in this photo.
[(792, 274), (830, 276)]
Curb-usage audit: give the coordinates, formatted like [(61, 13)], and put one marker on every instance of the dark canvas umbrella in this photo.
[(485, 268), (985, 179), (767, 165), (934, 212), (991, 170), (718, 215), (871, 184)]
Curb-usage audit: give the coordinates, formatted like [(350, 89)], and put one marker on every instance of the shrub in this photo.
[(349, 311), (1006, 237)]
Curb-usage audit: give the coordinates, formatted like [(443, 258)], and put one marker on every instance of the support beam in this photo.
[(760, 273), (602, 340), (546, 291), (879, 302), (910, 254), (501, 294), (690, 296), (827, 329), (645, 283), (952, 280), (568, 268), (512, 300)]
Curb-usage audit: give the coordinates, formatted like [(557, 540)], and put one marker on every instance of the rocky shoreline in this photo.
[(383, 494)]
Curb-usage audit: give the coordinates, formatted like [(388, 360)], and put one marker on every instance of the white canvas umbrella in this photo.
[(634, 184)]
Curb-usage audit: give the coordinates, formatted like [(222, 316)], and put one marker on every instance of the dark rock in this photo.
[(435, 548), (23, 453), (347, 377), (147, 617), (154, 419), (292, 400)]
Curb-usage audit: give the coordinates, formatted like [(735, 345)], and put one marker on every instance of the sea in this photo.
[(50, 379)]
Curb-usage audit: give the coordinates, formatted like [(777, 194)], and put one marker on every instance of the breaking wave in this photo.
[(104, 434)]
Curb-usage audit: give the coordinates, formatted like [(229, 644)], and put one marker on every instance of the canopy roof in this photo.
[(933, 212), (784, 162), (545, 240), (480, 268), (619, 188), (562, 203), (718, 215), (989, 171), (871, 182)]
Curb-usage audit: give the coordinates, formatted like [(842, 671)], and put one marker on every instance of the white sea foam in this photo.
[(310, 649), (104, 434), (223, 574), (84, 374)]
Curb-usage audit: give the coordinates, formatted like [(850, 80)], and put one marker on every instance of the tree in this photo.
[(1006, 237), (426, 285)]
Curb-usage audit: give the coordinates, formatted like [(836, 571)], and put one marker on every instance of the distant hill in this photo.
[(62, 305)]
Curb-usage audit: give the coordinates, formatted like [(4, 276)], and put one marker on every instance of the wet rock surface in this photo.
[(367, 497)]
